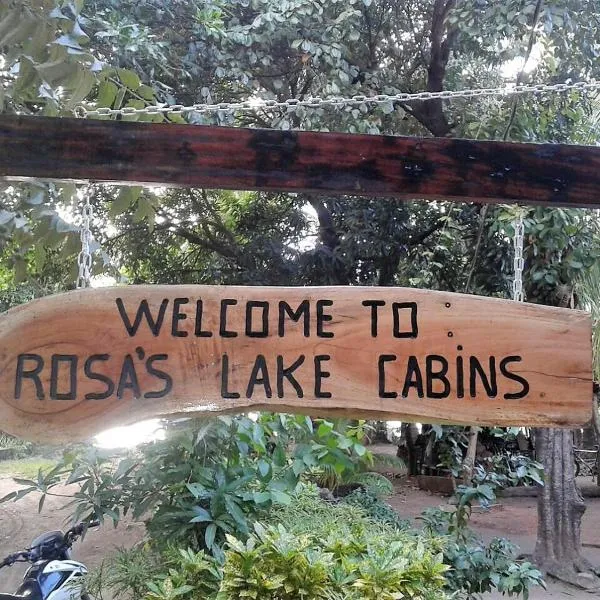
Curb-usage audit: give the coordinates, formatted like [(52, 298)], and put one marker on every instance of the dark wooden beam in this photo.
[(324, 163)]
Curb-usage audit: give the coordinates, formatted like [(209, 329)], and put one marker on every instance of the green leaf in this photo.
[(360, 449), (487, 491), (202, 515), (36, 197), (6, 216), (8, 497), (146, 92), (144, 211), (129, 79), (107, 92), (127, 196), (56, 72), (280, 497), (81, 86), (324, 429), (68, 41), (263, 467), (235, 511), (258, 497), (209, 535)]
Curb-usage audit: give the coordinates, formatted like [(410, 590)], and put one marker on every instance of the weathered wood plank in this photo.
[(327, 163), (77, 363)]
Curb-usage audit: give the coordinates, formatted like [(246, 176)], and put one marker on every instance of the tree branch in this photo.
[(430, 113)]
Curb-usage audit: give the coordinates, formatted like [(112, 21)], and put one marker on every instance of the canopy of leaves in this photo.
[(56, 54)]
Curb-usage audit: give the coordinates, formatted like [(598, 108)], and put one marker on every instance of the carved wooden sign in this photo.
[(75, 364)]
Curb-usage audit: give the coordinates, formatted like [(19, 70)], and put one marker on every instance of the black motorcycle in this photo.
[(53, 575)]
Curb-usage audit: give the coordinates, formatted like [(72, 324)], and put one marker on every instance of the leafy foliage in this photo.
[(203, 483), (115, 53), (279, 565), (509, 470), (377, 509), (474, 566), (19, 448), (325, 551)]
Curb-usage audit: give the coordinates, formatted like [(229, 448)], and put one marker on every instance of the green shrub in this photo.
[(18, 448), (202, 483), (376, 484), (475, 567), (126, 573), (325, 551), (275, 564), (377, 509), (190, 576)]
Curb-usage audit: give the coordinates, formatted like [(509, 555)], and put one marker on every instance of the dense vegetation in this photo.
[(278, 507), (56, 54)]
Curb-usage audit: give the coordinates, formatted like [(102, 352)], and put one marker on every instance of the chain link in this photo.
[(291, 104), (84, 258), (519, 263)]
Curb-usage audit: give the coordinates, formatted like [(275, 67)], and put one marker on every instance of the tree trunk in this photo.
[(410, 434), (471, 455), (596, 424), (560, 508)]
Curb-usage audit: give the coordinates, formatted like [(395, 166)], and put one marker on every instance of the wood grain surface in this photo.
[(325, 163), (75, 364)]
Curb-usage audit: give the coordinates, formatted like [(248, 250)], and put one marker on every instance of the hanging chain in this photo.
[(291, 104), (519, 263), (84, 259)]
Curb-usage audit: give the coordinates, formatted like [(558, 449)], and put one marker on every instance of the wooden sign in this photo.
[(74, 364), (294, 161)]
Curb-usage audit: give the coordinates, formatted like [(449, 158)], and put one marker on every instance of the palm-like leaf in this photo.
[(588, 292)]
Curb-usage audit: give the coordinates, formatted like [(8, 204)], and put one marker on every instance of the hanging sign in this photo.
[(75, 364)]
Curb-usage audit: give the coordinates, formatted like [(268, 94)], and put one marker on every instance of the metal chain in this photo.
[(519, 263), (84, 258), (291, 104)]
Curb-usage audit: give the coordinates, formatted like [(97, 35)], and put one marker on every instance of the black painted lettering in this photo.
[(95, 376), (260, 367), (223, 331), (374, 304), (514, 377), (489, 383), (303, 310), (320, 375), (198, 332), (287, 373), (322, 318), (128, 379), (460, 377), (438, 374), (29, 373), (413, 378), (71, 360), (143, 311), (178, 316), (225, 393), (264, 330), (381, 370), (414, 328), (162, 375)]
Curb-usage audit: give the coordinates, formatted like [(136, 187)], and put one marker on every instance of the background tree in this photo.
[(115, 53)]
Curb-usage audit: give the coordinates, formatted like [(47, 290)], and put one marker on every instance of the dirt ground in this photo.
[(514, 518)]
